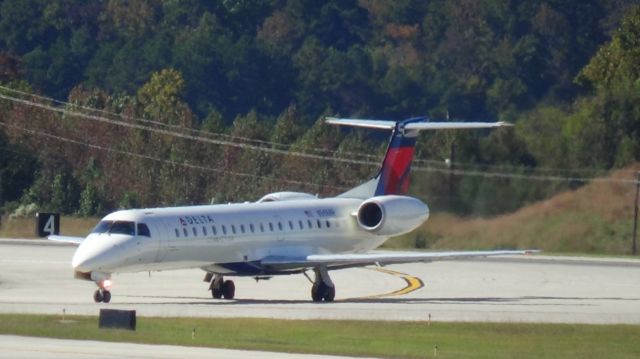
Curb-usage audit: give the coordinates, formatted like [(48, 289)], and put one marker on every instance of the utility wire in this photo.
[(429, 162), (184, 128), (458, 172), (188, 136), (157, 159)]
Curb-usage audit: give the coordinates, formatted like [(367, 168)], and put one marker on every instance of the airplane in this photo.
[(282, 233)]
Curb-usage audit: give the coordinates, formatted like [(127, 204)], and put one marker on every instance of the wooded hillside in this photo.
[(111, 104)]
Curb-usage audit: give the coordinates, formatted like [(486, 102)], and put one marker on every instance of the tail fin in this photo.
[(393, 176)]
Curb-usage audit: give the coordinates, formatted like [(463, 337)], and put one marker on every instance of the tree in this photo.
[(161, 98)]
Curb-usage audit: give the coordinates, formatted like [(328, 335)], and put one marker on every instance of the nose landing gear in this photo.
[(102, 295)]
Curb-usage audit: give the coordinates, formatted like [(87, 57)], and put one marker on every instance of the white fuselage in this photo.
[(227, 239)]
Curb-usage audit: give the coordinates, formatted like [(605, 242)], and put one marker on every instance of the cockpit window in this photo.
[(102, 227), (116, 227), (143, 230), (122, 227)]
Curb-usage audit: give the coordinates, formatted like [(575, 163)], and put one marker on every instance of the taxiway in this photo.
[(36, 277)]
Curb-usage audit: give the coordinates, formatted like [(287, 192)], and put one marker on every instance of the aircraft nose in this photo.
[(91, 257), (82, 262)]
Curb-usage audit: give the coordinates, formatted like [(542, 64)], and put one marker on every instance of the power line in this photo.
[(183, 128), (157, 159), (188, 136), (283, 146), (459, 172)]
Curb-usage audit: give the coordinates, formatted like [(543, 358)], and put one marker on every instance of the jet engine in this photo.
[(392, 215)]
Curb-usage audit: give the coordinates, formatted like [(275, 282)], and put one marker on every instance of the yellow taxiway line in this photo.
[(413, 283)]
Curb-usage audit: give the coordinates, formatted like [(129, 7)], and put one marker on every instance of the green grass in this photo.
[(355, 338)]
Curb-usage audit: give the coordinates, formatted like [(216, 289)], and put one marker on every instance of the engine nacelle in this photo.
[(392, 215)]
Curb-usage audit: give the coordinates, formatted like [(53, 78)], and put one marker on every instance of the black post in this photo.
[(634, 248)]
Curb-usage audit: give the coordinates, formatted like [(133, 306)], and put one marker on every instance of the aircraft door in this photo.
[(281, 227), (160, 235)]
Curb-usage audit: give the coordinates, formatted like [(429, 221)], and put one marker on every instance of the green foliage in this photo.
[(54, 189), (160, 98), (566, 73), (17, 168)]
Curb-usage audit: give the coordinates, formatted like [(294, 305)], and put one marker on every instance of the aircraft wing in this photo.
[(337, 261), (66, 239)]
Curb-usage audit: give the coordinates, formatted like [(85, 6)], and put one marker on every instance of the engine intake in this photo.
[(392, 215)]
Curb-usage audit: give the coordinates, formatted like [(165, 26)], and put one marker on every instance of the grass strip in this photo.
[(353, 338)]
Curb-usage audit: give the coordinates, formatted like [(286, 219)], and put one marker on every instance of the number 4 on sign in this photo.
[(50, 226)]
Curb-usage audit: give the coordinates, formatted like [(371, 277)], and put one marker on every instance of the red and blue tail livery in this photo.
[(393, 176)]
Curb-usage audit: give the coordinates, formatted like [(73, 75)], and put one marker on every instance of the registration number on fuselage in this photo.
[(326, 212)]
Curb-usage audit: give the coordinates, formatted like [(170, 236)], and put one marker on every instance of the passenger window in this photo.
[(213, 229), (224, 229), (261, 228), (177, 233), (280, 225), (143, 230), (328, 224), (291, 225), (300, 224), (195, 231), (309, 224), (319, 223), (204, 230), (184, 230), (251, 227), (242, 228), (233, 228), (271, 226)]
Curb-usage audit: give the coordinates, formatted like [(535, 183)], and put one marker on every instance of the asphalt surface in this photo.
[(36, 277), (16, 347)]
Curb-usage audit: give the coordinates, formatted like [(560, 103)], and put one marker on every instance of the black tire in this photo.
[(330, 294), (216, 288), (106, 296), (228, 289), (97, 296), (216, 293), (319, 292)]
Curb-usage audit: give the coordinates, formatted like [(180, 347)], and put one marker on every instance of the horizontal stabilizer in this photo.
[(453, 125), (417, 125), (383, 125)]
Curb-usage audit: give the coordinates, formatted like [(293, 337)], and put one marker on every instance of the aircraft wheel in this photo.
[(97, 296), (316, 295), (228, 289), (216, 293), (216, 287), (330, 294), (322, 292), (106, 296)]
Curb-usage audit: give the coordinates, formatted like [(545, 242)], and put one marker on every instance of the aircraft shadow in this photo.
[(524, 300)]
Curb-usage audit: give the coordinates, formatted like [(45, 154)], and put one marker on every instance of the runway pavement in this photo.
[(16, 347), (36, 277)]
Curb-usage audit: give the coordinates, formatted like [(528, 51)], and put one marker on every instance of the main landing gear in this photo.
[(221, 288), (323, 288)]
